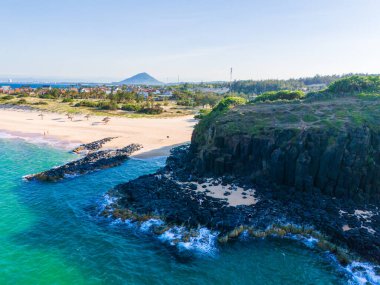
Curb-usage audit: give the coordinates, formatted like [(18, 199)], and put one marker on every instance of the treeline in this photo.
[(259, 87), (184, 97), (356, 85), (262, 86)]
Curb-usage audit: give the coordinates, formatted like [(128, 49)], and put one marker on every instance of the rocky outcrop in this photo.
[(91, 162), (171, 195), (314, 165), (92, 146), (338, 163)]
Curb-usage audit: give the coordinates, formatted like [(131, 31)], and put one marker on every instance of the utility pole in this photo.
[(231, 81)]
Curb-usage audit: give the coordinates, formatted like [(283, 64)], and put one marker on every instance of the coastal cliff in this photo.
[(308, 168), (329, 147)]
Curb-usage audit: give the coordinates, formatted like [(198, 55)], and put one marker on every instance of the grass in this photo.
[(60, 106), (262, 119)]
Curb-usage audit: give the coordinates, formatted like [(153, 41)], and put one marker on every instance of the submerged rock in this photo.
[(91, 162)]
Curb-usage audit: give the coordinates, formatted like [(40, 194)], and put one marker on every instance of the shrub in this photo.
[(22, 101), (107, 105), (40, 103), (86, 103), (185, 102), (228, 103), (7, 97), (202, 113), (223, 106), (46, 96), (354, 84), (280, 95), (131, 107), (67, 100), (151, 110), (365, 87)]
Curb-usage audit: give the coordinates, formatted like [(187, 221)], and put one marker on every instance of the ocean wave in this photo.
[(359, 273), (199, 241), (363, 273), (205, 242), (38, 140)]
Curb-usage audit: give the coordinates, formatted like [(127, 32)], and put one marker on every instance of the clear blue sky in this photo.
[(105, 40)]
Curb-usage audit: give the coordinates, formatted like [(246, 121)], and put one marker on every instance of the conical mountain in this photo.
[(141, 79)]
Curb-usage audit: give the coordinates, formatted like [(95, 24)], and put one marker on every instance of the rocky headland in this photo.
[(90, 162), (306, 168)]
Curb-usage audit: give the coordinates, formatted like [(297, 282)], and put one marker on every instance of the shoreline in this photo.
[(182, 210), (157, 135)]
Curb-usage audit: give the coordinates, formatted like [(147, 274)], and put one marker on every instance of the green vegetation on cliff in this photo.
[(219, 110), (368, 84), (280, 95), (329, 145), (354, 86), (347, 103)]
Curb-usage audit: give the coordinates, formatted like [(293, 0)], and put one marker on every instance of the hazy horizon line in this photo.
[(108, 80)]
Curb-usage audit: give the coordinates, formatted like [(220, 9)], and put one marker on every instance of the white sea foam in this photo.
[(363, 273), (106, 201), (360, 273), (39, 140), (147, 226), (203, 242), (71, 175)]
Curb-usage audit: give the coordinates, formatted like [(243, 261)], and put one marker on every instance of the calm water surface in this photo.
[(50, 234)]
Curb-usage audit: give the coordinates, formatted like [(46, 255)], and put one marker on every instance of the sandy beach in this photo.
[(157, 136)]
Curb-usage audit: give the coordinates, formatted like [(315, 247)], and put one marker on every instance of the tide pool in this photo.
[(50, 233)]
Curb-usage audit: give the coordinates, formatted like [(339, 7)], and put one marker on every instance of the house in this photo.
[(5, 89)]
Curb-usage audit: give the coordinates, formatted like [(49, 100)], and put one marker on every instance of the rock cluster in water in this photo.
[(91, 162), (171, 194), (93, 146)]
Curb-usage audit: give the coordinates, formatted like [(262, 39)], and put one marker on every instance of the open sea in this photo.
[(50, 233)]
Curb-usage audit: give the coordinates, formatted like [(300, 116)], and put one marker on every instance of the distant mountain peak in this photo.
[(141, 79)]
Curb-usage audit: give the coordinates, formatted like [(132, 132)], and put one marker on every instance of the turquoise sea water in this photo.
[(50, 234)]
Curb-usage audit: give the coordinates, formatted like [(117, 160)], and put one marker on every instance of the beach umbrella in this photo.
[(87, 116), (106, 120), (41, 115)]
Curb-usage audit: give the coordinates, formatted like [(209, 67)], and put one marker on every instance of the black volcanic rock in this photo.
[(92, 146), (91, 162), (336, 156), (313, 164)]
